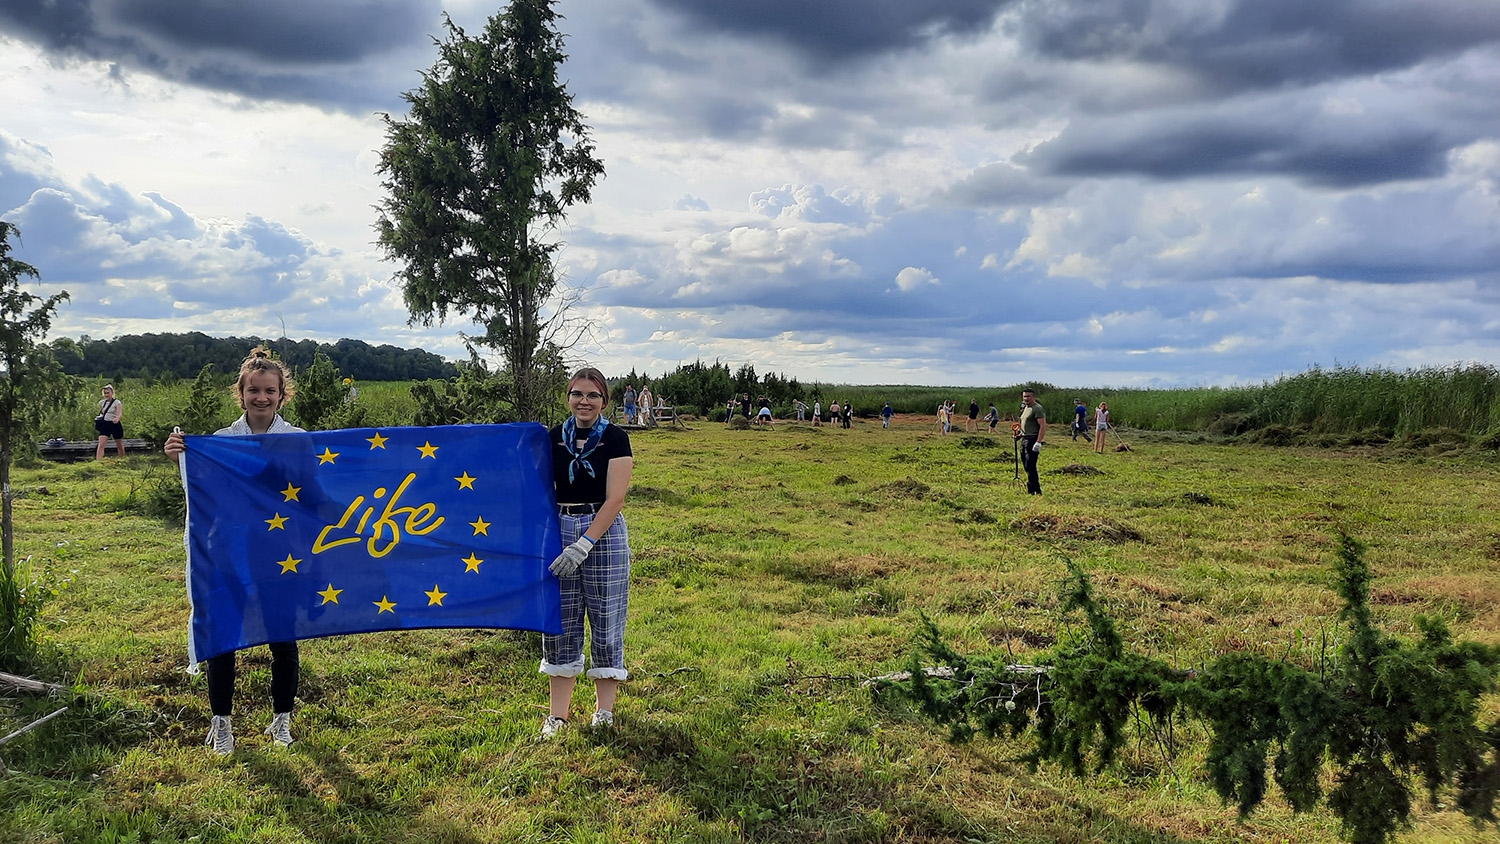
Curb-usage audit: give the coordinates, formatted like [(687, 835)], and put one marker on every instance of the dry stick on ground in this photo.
[(26, 729), (29, 684)]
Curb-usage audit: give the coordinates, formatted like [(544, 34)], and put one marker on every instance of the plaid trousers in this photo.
[(600, 591)]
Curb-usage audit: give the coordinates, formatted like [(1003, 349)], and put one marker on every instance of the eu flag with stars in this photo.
[(301, 535)]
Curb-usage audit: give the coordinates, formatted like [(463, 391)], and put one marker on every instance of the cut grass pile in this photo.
[(774, 571)]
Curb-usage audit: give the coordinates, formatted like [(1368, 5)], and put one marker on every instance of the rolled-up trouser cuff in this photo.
[(572, 669), (599, 592), (608, 674)]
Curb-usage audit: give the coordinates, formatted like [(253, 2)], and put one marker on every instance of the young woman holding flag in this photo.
[(591, 465), (263, 387)]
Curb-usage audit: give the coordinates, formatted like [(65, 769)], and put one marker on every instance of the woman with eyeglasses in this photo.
[(591, 465)]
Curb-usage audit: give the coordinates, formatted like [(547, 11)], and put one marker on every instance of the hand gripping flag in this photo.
[(296, 536)]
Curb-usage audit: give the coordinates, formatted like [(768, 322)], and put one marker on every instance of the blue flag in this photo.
[(301, 535)]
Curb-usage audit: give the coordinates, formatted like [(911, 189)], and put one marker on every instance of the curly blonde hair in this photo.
[(260, 360)]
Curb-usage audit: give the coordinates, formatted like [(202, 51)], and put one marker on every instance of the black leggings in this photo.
[(284, 665)]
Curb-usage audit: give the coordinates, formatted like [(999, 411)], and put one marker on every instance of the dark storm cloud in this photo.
[(1279, 138), (1006, 185), (1252, 44), (319, 52), (281, 30), (841, 29)]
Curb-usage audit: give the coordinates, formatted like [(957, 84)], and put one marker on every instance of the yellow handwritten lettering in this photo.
[(413, 520), (386, 530), (321, 545)]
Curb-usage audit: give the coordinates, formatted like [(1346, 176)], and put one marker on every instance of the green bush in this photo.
[(23, 594), (1383, 713), (477, 395), (321, 401)]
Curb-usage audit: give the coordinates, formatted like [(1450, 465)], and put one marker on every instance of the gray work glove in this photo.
[(567, 563), (1036, 448)]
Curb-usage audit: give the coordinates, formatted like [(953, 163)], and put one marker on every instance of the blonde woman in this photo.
[(1101, 424), (107, 423)]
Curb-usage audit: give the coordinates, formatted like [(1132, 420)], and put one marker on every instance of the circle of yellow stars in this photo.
[(331, 595)]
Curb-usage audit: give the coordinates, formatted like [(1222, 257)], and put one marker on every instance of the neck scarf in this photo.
[(241, 427), (570, 442)]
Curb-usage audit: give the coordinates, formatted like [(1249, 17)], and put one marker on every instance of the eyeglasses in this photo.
[(575, 395)]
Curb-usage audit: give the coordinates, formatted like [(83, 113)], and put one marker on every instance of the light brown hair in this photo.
[(259, 360)]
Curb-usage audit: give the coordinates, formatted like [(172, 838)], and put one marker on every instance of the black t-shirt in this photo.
[(587, 489)]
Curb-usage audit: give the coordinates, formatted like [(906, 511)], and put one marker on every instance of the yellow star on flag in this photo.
[(428, 450), (386, 605), (327, 455), (471, 562), (376, 441), (465, 482), (480, 526), (435, 597), (289, 564), (290, 493), (330, 595), (276, 522)]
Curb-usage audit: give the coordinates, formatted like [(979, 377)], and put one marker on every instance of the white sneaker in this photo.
[(603, 720), (552, 726), (220, 736), (280, 729)]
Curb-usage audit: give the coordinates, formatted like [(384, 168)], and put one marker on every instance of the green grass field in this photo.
[(774, 571)]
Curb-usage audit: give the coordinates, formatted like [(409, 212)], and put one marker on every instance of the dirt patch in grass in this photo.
[(1077, 469), (844, 480), (1054, 526), (844, 573), (1471, 596), (973, 516), (907, 488), (1158, 592), (1006, 636), (652, 493)]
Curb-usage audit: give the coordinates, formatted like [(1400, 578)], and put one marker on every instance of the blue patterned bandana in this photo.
[(570, 442)]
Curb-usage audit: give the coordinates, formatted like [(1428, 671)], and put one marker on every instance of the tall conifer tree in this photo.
[(477, 178)]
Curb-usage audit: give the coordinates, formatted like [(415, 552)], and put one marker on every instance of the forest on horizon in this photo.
[(149, 356)]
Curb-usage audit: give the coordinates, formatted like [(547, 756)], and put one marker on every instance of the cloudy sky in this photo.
[(974, 192)]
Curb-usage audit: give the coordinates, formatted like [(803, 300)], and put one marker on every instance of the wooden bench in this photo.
[(659, 414), (70, 452)]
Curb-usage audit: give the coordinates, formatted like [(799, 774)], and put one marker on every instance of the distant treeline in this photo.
[(1343, 405), (158, 356), (703, 388)]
